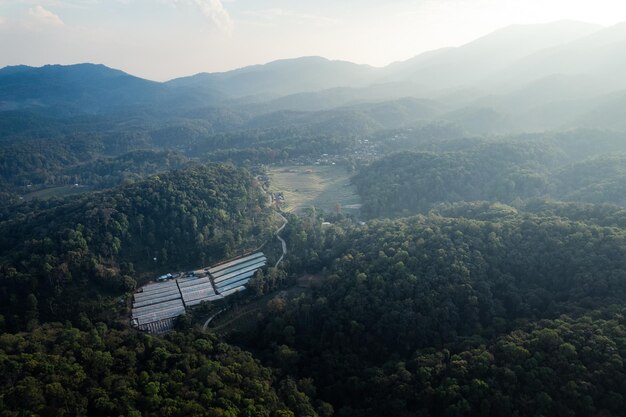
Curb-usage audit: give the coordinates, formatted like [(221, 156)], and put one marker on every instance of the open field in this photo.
[(61, 191), (319, 186)]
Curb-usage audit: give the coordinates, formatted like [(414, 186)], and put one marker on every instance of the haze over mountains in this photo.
[(520, 78)]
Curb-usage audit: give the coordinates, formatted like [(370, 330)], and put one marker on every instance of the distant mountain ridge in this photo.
[(522, 77), (87, 88), (282, 77), (470, 63)]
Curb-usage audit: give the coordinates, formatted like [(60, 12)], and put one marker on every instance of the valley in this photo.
[(441, 236)]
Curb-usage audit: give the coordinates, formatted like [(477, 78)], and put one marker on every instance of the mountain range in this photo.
[(520, 78)]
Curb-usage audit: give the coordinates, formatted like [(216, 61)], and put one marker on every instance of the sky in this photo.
[(164, 39)]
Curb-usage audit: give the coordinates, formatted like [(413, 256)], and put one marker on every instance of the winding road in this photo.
[(210, 319), (284, 245), (282, 241)]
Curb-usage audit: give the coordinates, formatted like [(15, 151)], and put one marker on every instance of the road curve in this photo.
[(282, 241), (210, 319)]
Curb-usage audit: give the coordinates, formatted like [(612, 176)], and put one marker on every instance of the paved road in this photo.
[(210, 319), (282, 241)]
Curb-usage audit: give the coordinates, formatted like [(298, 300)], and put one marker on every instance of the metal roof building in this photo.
[(236, 274), (156, 305)]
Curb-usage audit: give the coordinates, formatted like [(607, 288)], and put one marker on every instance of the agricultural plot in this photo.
[(325, 187), (56, 192)]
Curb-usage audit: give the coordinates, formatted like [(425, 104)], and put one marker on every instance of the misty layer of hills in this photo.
[(521, 78)]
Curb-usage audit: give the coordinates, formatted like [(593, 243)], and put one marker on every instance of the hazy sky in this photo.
[(162, 39)]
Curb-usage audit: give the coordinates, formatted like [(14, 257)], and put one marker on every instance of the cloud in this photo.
[(213, 10), (44, 16), (216, 13), (2, 20), (65, 4)]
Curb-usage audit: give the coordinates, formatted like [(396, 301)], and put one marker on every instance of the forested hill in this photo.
[(97, 371), (505, 170), (68, 256), (34, 165), (516, 79), (74, 89), (413, 182), (514, 314)]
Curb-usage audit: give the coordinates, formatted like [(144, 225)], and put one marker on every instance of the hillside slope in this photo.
[(100, 242)]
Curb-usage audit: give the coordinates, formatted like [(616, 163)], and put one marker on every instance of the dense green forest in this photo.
[(33, 170), (96, 371), (103, 151), (580, 166), (504, 296), (482, 314), (89, 248)]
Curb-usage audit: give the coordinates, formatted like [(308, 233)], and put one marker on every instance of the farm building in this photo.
[(156, 305)]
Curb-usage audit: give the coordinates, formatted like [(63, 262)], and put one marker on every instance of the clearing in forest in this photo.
[(56, 192), (325, 187)]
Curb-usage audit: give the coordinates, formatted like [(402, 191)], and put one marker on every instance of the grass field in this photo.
[(62, 191), (319, 186)]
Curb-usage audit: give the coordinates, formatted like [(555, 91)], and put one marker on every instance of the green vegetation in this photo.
[(36, 164), (459, 316), (73, 255), (407, 183), (96, 371), (57, 192), (471, 308), (509, 170)]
